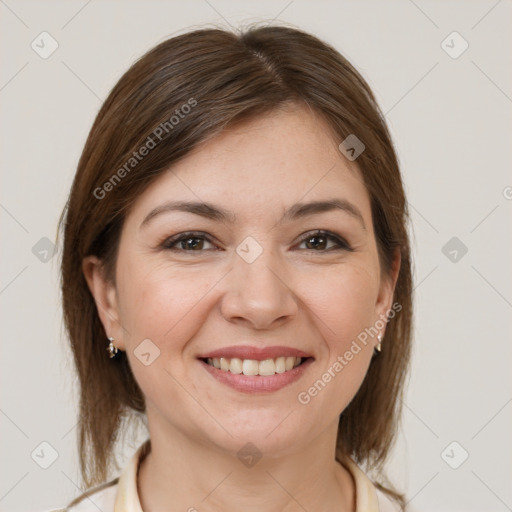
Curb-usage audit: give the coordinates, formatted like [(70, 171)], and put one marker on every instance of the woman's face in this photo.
[(253, 285)]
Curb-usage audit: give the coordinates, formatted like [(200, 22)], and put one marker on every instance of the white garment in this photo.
[(120, 494)]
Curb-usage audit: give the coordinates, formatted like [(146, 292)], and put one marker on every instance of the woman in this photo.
[(236, 269)]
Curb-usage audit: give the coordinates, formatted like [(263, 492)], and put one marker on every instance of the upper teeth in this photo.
[(253, 367)]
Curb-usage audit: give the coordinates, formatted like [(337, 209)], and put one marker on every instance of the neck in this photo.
[(187, 475)]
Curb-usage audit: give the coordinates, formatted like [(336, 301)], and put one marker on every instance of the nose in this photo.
[(259, 293)]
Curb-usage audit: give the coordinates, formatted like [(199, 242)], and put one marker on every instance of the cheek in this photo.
[(161, 303), (347, 311), (344, 307), (344, 299)]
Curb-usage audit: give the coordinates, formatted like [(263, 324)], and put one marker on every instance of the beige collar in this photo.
[(127, 498)]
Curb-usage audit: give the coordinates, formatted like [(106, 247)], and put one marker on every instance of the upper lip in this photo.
[(255, 353)]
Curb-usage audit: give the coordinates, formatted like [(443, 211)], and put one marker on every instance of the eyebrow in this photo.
[(217, 213)]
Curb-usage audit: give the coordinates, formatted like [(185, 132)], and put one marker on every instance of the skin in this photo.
[(297, 294)]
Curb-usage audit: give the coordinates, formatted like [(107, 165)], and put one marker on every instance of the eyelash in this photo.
[(168, 243)]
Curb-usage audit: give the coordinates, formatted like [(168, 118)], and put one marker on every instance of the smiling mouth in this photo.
[(252, 367)]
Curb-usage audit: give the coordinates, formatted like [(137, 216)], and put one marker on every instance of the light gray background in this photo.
[(450, 119)]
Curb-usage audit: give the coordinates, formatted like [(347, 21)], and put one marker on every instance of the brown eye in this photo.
[(187, 242), (319, 241)]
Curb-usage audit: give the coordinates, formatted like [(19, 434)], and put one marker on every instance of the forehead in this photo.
[(262, 166)]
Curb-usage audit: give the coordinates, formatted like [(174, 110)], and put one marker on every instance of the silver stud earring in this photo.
[(112, 349), (378, 348)]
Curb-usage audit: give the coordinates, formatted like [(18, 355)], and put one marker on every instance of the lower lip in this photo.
[(258, 383)]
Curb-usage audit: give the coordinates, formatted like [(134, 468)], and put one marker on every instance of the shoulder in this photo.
[(120, 492), (385, 502), (369, 498), (101, 497)]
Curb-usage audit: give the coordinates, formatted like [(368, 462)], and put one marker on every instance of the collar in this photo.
[(366, 494), (127, 497)]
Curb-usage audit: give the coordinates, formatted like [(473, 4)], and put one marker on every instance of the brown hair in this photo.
[(224, 78)]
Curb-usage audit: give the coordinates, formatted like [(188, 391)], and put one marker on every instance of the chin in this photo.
[(272, 432)]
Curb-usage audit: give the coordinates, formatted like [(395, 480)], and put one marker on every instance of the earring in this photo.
[(378, 348), (112, 349)]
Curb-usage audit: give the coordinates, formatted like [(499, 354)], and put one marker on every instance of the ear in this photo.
[(105, 297), (387, 288)]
